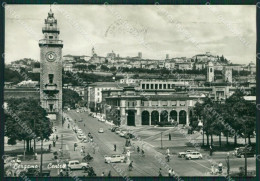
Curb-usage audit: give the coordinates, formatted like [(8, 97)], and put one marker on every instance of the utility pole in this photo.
[(61, 145), (161, 140), (41, 157), (228, 166), (34, 142), (245, 161)]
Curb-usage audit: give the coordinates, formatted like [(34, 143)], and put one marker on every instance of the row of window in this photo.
[(158, 86)]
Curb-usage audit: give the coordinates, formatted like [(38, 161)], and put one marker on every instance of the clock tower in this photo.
[(51, 69)]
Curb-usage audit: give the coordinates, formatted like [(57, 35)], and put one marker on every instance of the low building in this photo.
[(130, 107)]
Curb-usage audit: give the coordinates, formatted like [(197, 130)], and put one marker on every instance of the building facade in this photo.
[(131, 107), (51, 69)]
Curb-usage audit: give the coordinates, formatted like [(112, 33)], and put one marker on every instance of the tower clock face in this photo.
[(51, 56)]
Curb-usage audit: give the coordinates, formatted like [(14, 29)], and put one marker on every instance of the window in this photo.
[(210, 69), (156, 86), (151, 86), (143, 86), (51, 24), (51, 107), (50, 37), (160, 86), (133, 104), (128, 104), (164, 86), (51, 78)]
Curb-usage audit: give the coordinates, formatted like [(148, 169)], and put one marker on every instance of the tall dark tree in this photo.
[(70, 98)]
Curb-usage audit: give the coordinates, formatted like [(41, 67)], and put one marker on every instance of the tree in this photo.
[(92, 67), (112, 69), (104, 68), (26, 120), (70, 98), (12, 76), (242, 115)]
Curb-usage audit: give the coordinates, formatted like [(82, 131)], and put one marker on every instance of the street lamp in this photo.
[(161, 140), (67, 168), (41, 155), (228, 166)]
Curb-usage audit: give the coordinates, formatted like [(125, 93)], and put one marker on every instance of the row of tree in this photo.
[(26, 120), (236, 117)]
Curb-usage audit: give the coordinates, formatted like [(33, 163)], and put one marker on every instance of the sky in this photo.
[(154, 30)]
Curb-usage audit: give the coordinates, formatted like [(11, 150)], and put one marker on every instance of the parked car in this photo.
[(122, 133), (249, 152), (183, 154), (79, 131), (235, 150), (101, 130), (114, 128), (75, 164), (194, 155), (114, 158), (117, 131), (12, 160), (81, 120)]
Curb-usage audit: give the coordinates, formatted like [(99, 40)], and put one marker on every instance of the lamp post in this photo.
[(67, 168), (245, 150), (228, 166), (161, 140), (41, 156)]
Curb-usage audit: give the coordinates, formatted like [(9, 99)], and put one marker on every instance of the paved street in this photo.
[(143, 166), (149, 165)]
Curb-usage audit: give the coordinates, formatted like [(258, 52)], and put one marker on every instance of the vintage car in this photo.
[(75, 164), (183, 154), (193, 155), (114, 158)]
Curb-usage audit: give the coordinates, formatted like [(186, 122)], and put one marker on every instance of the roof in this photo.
[(250, 98), (167, 97), (107, 84)]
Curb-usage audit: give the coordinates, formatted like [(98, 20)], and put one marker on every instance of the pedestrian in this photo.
[(173, 173), (68, 126), (170, 172), (84, 124), (57, 137), (210, 151), (114, 147), (212, 169), (109, 173), (75, 145), (220, 166), (94, 150), (55, 129), (167, 151), (138, 149), (160, 172), (168, 158), (35, 156), (81, 151), (103, 174), (170, 137), (61, 173), (49, 147), (54, 143)]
